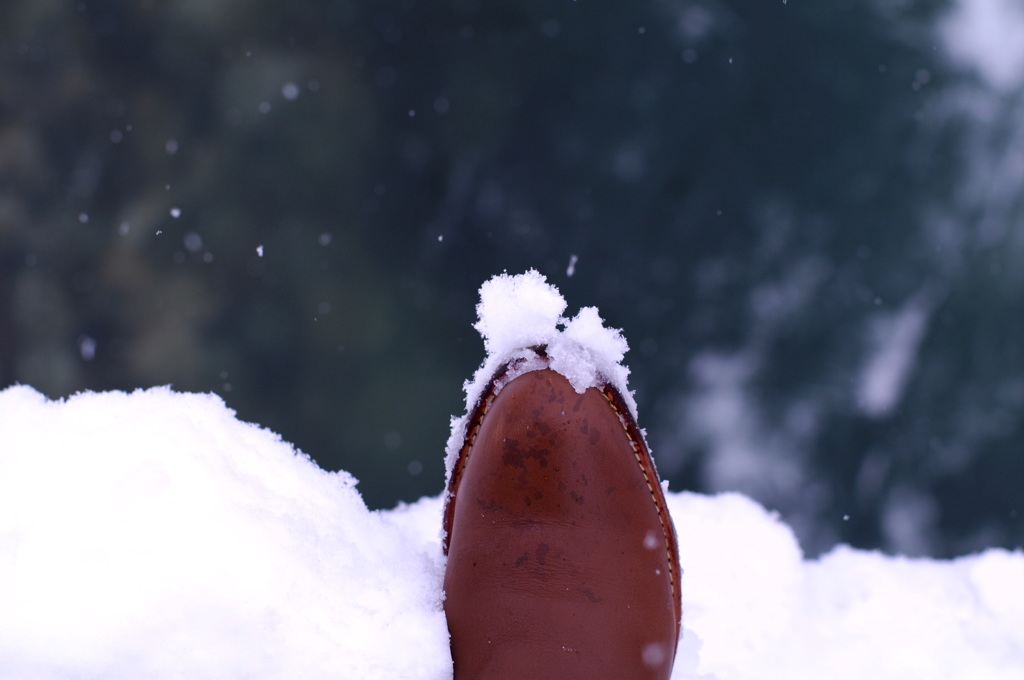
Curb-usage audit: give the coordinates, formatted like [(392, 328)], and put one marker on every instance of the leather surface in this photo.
[(561, 557)]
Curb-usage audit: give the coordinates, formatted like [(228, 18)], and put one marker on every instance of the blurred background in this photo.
[(806, 216)]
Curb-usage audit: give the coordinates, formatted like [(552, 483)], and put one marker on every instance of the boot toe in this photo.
[(562, 559)]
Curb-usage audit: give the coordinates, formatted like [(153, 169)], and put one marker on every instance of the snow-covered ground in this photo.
[(154, 535)]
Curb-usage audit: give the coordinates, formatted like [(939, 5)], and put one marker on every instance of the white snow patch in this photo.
[(753, 610), (894, 339), (746, 452), (520, 312), (154, 535), (988, 35), (517, 311)]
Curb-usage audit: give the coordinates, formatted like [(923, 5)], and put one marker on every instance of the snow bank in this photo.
[(153, 535), (753, 609)]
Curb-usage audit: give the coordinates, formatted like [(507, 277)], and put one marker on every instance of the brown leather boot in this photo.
[(562, 559)]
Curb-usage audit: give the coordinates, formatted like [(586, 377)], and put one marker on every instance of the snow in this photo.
[(753, 609), (895, 339), (155, 535), (750, 453), (987, 35), (520, 312)]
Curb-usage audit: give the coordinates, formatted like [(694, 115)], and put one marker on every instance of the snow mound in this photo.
[(753, 609), (520, 312), (153, 535)]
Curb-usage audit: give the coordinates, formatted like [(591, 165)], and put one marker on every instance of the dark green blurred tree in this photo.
[(292, 204)]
